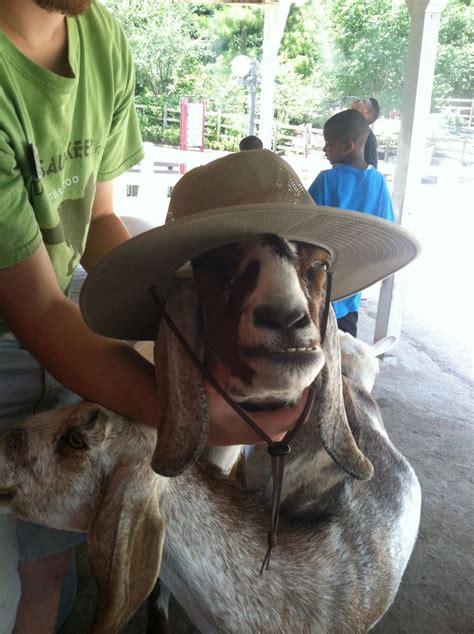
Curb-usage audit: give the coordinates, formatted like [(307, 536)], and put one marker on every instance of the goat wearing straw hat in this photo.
[(251, 306)]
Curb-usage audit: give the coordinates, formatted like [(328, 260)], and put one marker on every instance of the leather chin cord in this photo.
[(277, 450)]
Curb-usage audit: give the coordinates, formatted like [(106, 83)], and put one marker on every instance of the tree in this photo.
[(300, 89), (370, 42), (231, 30), (370, 39), (168, 49), (455, 59), (332, 51)]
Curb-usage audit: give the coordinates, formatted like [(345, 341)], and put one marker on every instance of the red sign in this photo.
[(191, 129)]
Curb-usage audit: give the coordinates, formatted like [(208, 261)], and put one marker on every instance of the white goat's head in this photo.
[(262, 302), (85, 469)]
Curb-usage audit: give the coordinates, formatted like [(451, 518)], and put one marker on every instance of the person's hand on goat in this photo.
[(227, 427)]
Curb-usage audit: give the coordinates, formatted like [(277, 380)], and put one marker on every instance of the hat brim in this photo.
[(115, 299)]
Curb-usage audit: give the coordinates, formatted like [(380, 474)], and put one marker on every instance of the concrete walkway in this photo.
[(427, 405)]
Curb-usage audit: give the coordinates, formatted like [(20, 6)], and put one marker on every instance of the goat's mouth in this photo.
[(288, 356), (263, 405)]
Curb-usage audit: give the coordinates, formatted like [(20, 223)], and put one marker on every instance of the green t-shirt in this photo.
[(82, 129)]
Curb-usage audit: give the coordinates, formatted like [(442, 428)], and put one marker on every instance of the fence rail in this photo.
[(224, 130), (464, 108)]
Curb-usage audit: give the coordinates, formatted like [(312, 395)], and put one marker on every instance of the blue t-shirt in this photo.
[(356, 189)]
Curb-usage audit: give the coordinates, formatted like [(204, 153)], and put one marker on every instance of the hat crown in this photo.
[(243, 178)]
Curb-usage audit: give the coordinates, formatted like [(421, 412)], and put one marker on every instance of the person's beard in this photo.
[(67, 7)]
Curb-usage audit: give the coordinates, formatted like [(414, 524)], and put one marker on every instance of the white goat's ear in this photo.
[(183, 426), (383, 345), (125, 542), (334, 429)]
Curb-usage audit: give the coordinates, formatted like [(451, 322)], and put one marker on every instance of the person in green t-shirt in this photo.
[(67, 128)]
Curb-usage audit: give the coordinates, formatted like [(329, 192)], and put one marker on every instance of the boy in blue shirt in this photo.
[(350, 184)]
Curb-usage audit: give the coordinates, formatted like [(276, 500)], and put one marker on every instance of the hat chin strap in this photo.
[(277, 450)]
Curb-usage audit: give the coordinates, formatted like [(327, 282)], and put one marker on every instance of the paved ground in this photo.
[(427, 406), (426, 397)]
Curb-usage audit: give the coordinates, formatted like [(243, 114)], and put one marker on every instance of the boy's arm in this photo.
[(316, 190), (386, 205)]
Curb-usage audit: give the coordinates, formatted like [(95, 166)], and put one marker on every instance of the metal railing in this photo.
[(463, 108), (227, 129)]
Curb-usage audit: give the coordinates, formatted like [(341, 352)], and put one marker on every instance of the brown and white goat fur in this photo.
[(350, 501)]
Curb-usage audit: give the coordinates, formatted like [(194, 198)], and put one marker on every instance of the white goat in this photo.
[(359, 360), (340, 555), (344, 537)]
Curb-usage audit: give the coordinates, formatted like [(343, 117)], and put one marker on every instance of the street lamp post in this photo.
[(252, 84), (246, 71)]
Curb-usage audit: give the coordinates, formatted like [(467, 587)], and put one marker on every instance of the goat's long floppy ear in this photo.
[(336, 435), (125, 542), (183, 426)]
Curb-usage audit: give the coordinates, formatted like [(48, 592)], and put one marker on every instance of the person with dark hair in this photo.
[(350, 184), (250, 143), (370, 110)]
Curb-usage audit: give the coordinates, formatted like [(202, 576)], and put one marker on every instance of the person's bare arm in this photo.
[(106, 229), (51, 327), (228, 428), (100, 369)]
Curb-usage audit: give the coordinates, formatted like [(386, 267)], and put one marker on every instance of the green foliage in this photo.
[(455, 60), (297, 101), (370, 39), (299, 44), (167, 47), (225, 143), (230, 30), (331, 52), (234, 30)]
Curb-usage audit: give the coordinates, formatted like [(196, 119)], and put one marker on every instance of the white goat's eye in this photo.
[(75, 440)]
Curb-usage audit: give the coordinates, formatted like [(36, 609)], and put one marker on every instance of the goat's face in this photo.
[(54, 465), (86, 469), (262, 302)]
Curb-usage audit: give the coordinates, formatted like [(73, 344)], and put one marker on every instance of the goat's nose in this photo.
[(280, 318)]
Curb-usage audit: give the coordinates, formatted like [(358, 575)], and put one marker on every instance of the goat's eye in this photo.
[(320, 265), (75, 440)]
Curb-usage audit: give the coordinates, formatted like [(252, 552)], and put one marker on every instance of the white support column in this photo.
[(419, 74), (275, 21)]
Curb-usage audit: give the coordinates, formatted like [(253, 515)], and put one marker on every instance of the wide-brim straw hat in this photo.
[(239, 197)]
